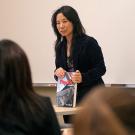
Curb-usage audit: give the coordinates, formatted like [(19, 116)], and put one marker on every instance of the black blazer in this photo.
[(88, 59), (17, 125)]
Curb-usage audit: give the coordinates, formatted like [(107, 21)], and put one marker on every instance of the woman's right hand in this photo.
[(60, 72)]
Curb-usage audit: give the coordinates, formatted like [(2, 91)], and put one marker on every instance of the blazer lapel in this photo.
[(76, 51), (64, 58)]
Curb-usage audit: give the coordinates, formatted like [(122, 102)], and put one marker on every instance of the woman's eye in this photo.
[(64, 21), (57, 23)]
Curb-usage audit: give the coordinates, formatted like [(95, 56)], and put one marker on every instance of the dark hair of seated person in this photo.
[(22, 111)]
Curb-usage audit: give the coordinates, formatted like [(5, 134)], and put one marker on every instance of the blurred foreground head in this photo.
[(15, 73), (106, 111)]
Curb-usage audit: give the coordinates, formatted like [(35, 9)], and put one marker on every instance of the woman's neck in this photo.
[(69, 39), (68, 48), (69, 43)]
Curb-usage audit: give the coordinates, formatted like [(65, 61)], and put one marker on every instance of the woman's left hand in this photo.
[(76, 77)]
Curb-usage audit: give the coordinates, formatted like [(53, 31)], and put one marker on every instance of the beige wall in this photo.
[(47, 91), (111, 22)]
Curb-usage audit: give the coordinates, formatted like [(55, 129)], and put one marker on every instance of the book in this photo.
[(66, 91)]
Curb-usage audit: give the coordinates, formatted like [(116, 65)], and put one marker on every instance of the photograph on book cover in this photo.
[(66, 91)]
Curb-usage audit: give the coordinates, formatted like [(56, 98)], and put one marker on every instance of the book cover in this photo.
[(66, 91)]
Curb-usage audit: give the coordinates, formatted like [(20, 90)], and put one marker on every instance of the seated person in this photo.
[(22, 111), (106, 111)]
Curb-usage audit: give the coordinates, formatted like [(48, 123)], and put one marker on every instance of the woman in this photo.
[(76, 52), (22, 111)]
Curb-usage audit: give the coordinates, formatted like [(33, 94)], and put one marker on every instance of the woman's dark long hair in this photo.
[(72, 15), (16, 92)]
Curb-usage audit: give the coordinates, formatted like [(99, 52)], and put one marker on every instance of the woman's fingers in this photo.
[(60, 72), (76, 77)]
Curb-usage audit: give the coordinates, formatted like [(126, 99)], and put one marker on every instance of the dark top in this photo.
[(46, 124), (70, 66), (88, 59)]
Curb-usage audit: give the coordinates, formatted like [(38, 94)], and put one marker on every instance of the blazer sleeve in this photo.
[(97, 66)]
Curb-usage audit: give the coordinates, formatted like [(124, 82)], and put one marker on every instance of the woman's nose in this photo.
[(61, 25)]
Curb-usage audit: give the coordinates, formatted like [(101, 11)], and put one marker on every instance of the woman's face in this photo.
[(64, 26)]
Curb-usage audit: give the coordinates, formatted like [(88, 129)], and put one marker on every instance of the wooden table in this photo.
[(66, 110)]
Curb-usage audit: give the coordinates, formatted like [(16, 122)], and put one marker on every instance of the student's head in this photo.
[(15, 74), (106, 111), (121, 102), (65, 20)]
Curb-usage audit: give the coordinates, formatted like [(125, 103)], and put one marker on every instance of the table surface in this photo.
[(66, 110)]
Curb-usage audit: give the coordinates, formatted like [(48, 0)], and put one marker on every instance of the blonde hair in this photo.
[(104, 111)]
